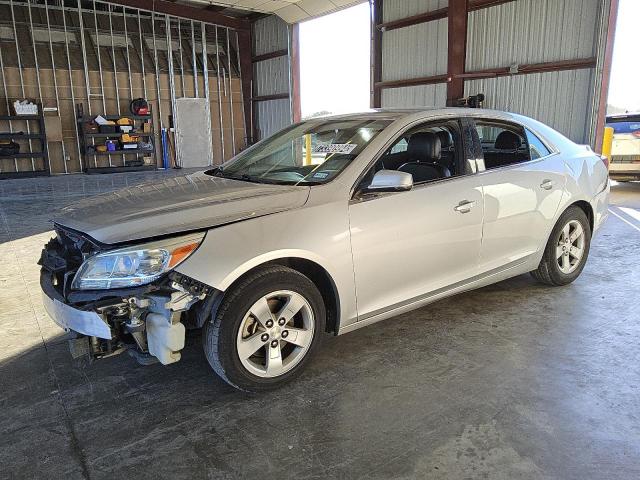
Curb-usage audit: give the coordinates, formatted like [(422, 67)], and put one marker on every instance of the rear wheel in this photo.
[(266, 329), (567, 249)]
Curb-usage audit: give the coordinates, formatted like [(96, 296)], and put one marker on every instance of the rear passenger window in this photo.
[(502, 143), (536, 147)]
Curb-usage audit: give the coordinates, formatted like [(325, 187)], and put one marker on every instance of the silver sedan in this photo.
[(330, 225)]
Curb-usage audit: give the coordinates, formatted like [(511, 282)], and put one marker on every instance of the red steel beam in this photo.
[(495, 72), (185, 11), (266, 98), (411, 82), (270, 55), (414, 20), (457, 50), (435, 15), (376, 52), (531, 68), (606, 76)]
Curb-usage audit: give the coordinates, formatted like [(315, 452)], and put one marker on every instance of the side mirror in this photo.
[(390, 181)]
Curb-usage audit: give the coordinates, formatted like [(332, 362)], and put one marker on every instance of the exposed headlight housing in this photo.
[(135, 265)]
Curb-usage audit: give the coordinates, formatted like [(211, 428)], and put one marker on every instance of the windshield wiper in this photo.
[(219, 172)]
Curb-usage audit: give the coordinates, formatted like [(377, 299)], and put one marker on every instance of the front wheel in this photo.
[(567, 249), (266, 329)]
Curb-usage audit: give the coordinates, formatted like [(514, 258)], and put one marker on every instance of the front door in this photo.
[(407, 245)]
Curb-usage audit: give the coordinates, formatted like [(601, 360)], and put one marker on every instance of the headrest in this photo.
[(507, 140), (445, 138), (424, 146)]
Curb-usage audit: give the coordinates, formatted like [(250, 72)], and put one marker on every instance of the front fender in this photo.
[(319, 234)]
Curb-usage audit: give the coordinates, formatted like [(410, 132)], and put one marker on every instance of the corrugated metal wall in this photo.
[(271, 76), (562, 100), (514, 33), (416, 51), (537, 31), (398, 9), (531, 31), (417, 96), (412, 52), (272, 116)]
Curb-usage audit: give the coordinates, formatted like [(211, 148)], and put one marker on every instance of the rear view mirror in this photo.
[(390, 181)]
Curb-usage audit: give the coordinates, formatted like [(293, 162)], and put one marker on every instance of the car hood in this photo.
[(175, 205)]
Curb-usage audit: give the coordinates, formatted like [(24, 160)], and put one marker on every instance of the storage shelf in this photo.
[(19, 117), (26, 136), (25, 174), (122, 152), (116, 135), (136, 168), (25, 155), (115, 117), (93, 139)]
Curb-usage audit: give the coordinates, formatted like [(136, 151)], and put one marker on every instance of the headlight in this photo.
[(135, 265)]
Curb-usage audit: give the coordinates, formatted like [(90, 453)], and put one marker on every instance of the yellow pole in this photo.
[(607, 143), (307, 145)]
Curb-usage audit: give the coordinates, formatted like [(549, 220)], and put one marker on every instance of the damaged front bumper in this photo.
[(148, 321), (87, 323)]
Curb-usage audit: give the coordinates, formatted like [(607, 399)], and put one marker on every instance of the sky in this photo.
[(334, 62), (624, 88)]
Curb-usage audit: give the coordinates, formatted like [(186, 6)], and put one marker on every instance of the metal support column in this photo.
[(144, 78), (219, 93), (73, 96), (457, 52), (233, 129), (6, 97), (195, 64), (172, 88), (205, 72), (55, 83), (95, 24), (15, 38)]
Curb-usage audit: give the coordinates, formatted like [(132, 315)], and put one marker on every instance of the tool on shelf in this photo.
[(117, 143)]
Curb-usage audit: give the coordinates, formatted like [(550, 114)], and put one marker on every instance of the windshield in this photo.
[(308, 153)]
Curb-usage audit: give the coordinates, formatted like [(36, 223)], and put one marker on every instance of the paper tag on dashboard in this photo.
[(334, 148)]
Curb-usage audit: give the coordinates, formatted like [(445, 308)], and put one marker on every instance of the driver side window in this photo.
[(429, 152)]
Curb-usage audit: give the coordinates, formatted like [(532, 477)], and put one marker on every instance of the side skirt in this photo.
[(513, 269)]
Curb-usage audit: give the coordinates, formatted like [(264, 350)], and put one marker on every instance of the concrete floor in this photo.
[(516, 380)]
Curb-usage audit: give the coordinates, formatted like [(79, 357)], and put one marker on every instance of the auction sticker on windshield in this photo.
[(334, 148)]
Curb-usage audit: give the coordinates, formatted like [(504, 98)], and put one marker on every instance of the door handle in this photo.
[(547, 184), (464, 206)]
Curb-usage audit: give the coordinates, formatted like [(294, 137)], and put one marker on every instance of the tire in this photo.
[(553, 269), (241, 324)]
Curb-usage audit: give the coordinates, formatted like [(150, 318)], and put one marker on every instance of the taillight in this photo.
[(636, 133)]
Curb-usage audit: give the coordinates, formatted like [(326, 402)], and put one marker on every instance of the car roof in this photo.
[(426, 112), (402, 117)]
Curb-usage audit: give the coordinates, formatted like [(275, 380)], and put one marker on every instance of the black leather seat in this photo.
[(507, 140), (506, 152), (423, 157), (447, 153)]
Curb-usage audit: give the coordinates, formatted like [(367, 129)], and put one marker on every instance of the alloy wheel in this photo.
[(275, 334), (570, 247)]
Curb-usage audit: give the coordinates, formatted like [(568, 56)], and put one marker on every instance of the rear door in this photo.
[(523, 182)]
